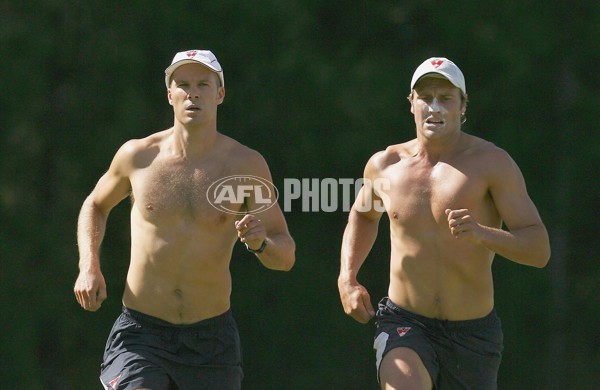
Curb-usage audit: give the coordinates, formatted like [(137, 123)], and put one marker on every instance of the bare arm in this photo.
[(526, 240), (279, 250), (359, 237), (270, 225), (113, 186)]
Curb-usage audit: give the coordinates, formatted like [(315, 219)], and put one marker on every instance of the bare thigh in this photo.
[(402, 368)]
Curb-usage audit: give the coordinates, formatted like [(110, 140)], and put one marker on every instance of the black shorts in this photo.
[(457, 354), (145, 352)]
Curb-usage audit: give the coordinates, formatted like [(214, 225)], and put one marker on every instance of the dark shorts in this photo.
[(145, 352), (457, 354)]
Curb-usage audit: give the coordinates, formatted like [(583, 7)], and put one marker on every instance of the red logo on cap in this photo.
[(191, 53), (437, 63)]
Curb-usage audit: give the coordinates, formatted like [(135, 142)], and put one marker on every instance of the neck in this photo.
[(435, 148), (192, 142)]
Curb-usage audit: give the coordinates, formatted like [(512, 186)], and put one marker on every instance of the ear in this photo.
[(169, 98), (465, 101), (220, 95)]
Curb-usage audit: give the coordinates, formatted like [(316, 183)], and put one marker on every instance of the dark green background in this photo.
[(317, 87)]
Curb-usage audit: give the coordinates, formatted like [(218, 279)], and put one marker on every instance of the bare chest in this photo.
[(168, 190), (420, 195)]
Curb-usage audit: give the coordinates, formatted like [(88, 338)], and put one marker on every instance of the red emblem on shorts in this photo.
[(437, 63), (402, 330), (191, 53), (113, 384)]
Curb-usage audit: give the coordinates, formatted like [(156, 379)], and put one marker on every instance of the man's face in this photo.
[(195, 93), (437, 107)]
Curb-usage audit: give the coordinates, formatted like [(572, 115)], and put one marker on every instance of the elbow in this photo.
[(287, 261), (546, 252), (291, 257), (542, 252), (546, 258), (290, 261), (543, 257), (540, 263), (289, 265), (283, 265), (283, 256)]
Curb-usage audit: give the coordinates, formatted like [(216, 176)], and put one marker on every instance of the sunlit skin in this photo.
[(437, 108), (201, 83), (449, 194), (181, 245)]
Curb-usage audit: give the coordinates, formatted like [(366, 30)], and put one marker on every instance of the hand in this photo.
[(356, 301), (462, 225), (251, 231), (90, 290)]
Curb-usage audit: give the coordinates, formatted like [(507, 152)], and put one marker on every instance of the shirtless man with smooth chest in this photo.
[(178, 282), (447, 195), (432, 272)]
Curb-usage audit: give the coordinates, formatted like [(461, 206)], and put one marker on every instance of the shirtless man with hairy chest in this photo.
[(176, 329), (181, 244), (447, 195)]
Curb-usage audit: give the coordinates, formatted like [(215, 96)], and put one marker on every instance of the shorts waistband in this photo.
[(476, 324), (148, 320)]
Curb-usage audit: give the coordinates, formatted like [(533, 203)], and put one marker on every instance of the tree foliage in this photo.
[(317, 87)]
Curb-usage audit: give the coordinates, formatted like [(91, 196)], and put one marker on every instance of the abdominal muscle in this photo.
[(179, 273), (444, 280)]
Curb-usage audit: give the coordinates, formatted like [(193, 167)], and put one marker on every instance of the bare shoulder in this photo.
[(152, 141), (489, 157), (137, 153), (391, 155), (243, 158), (486, 149)]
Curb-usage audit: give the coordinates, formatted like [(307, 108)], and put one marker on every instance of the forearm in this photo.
[(358, 239), (91, 226), (528, 246), (280, 252)]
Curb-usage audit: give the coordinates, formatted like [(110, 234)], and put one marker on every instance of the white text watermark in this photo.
[(241, 194)]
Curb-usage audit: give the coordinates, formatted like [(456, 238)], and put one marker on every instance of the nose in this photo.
[(193, 92), (435, 105)]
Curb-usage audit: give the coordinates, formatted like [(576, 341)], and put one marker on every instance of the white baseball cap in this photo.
[(440, 67), (203, 57)]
